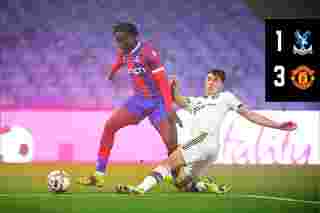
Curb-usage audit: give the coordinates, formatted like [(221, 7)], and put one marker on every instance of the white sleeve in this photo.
[(233, 102)]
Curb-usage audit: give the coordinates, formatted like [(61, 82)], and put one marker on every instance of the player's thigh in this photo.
[(191, 171), (159, 113), (196, 168), (165, 125), (202, 167), (124, 116), (136, 105), (192, 154)]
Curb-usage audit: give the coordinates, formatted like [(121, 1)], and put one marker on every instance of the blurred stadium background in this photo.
[(53, 57)]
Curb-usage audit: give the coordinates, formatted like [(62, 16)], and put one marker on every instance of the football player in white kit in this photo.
[(197, 155)]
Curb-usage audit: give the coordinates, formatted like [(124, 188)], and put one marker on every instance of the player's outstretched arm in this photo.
[(264, 121)]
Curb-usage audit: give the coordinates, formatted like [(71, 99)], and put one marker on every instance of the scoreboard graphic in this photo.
[(292, 60)]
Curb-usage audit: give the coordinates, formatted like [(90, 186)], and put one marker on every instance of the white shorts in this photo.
[(199, 154)]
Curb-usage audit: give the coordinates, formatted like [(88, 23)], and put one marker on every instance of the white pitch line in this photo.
[(148, 196), (274, 198)]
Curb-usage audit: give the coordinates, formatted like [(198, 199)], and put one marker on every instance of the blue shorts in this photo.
[(154, 108)]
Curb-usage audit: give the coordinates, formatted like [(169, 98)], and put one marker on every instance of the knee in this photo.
[(171, 148), (167, 163), (175, 160)]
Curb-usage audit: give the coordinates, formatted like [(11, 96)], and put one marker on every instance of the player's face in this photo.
[(125, 41), (213, 84)]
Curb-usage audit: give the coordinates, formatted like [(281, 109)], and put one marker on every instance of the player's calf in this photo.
[(156, 177), (162, 171)]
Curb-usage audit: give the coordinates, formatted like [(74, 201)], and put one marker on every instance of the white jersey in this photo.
[(208, 113)]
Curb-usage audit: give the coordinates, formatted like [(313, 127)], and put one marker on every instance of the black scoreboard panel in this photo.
[(292, 60)]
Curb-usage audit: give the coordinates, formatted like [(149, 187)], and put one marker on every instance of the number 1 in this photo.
[(279, 39)]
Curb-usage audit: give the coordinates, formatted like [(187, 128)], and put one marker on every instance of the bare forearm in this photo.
[(262, 120)]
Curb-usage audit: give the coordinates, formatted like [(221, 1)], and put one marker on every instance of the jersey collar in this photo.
[(212, 96)]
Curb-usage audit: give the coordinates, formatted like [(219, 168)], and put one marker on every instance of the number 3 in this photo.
[(280, 81)]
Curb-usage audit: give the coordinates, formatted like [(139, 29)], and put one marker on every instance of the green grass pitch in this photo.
[(255, 189)]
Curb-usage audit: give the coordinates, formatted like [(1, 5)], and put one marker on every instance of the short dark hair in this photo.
[(125, 27), (220, 73)]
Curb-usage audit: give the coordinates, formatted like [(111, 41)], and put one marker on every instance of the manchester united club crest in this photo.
[(303, 77)]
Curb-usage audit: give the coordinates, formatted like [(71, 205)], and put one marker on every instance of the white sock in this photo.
[(163, 171), (148, 183), (151, 181), (99, 173)]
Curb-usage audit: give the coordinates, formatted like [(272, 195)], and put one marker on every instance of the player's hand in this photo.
[(288, 126), (107, 69), (110, 75)]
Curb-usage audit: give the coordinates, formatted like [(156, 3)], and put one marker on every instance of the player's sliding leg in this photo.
[(119, 119), (157, 175), (161, 172), (198, 152), (188, 183)]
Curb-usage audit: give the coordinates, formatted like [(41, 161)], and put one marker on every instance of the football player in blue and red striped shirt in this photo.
[(152, 97)]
